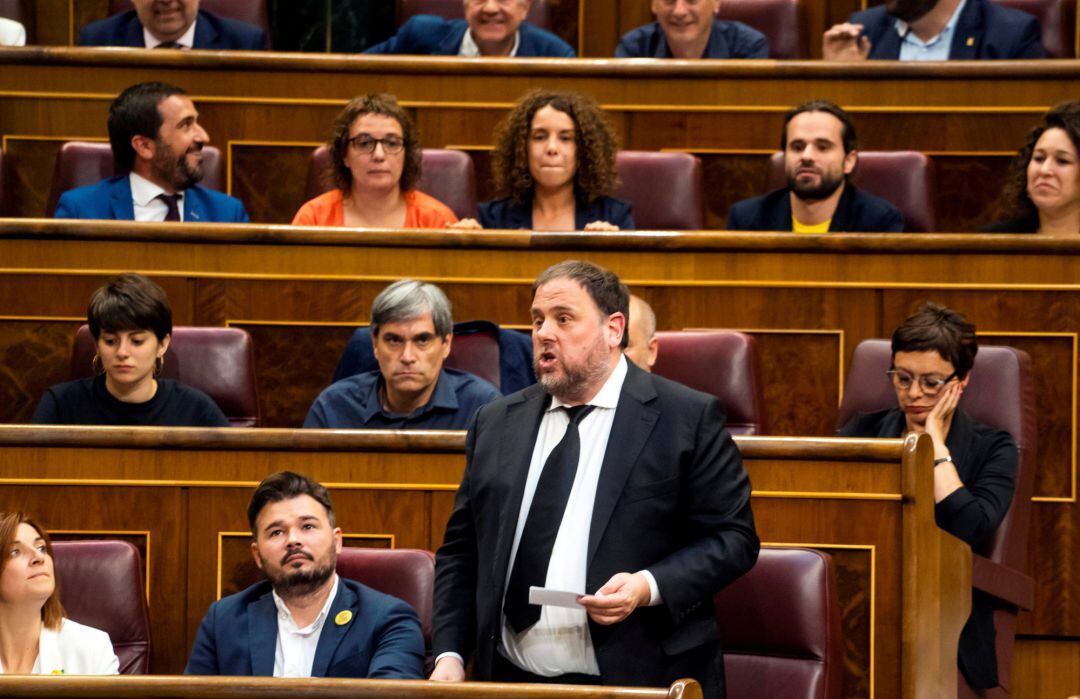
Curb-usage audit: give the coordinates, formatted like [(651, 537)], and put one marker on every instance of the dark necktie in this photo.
[(168, 45), (173, 214), (542, 524)]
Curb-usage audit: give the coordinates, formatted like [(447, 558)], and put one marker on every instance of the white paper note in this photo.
[(553, 598)]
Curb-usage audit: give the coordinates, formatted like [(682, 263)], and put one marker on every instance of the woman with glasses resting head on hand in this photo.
[(555, 159), (131, 322), (35, 636), (1043, 191), (375, 167), (933, 352)]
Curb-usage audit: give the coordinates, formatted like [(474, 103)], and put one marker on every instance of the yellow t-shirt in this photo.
[(822, 227)]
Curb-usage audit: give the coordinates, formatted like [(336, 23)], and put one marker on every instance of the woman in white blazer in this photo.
[(35, 636)]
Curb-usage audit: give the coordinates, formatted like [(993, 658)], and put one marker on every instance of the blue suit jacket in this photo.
[(985, 30), (382, 639), (726, 40), (504, 213), (211, 32), (856, 211), (111, 199), (428, 35)]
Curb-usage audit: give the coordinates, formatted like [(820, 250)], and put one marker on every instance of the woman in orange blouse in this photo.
[(375, 167)]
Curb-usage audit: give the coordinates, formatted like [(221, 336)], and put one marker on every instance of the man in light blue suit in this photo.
[(304, 620), (490, 28), (155, 136)]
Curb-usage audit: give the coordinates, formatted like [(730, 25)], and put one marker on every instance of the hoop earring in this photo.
[(159, 364), (97, 365)]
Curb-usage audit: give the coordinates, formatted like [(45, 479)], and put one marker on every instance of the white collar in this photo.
[(285, 613), (608, 395), (469, 47), (904, 29), (143, 191), (186, 40)]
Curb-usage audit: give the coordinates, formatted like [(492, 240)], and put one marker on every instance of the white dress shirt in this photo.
[(144, 199), (295, 653), (471, 50), (74, 649), (186, 41)]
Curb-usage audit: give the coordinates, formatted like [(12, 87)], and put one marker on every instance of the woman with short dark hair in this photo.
[(933, 352), (131, 322), (36, 638), (375, 156)]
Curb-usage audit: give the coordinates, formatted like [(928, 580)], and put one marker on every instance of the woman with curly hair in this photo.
[(554, 164), (375, 168), (1044, 177)]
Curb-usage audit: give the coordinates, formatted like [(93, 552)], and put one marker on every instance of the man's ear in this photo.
[(255, 554), (144, 147), (616, 325), (338, 540), (446, 345), (851, 159)]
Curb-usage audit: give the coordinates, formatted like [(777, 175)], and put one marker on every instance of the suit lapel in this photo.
[(332, 633), (262, 634), (841, 220), (123, 209), (888, 46), (133, 33), (634, 422), (451, 44), (206, 36), (780, 215), (968, 34), (193, 210)]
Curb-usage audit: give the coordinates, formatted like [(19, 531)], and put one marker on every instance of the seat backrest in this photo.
[(250, 11), (677, 205), (1000, 394), (408, 574), (1057, 19), (101, 585), (447, 175), (80, 163), (781, 21), (903, 178), (21, 11), (539, 13), (780, 626), (722, 363), (218, 361)]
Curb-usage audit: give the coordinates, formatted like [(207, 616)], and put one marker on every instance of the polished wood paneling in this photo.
[(1046, 668), (29, 169), (968, 192), (34, 354), (269, 179)]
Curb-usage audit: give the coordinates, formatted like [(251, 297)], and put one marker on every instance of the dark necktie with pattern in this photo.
[(171, 200), (542, 524)]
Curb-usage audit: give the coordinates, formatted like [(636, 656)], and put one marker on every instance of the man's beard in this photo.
[(910, 10), (822, 190), (298, 583), (573, 379), (174, 170)]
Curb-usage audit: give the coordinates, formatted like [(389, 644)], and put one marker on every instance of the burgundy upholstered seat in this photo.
[(903, 178), (477, 353), (1000, 394), (250, 11), (720, 362), (408, 574), (218, 361), (780, 627), (80, 163), (781, 21), (455, 9), (1057, 19), (447, 175), (101, 585), (22, 11), (677, 204)]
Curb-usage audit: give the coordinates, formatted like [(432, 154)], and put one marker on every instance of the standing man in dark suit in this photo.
[(935, 30), (304, 620), (156, 138), (172, 24), (615, 485), (820, 154), (490, 28)]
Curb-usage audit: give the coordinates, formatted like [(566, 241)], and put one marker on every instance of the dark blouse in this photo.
[(88, 402), (1024, 224), (504, 213), (985, 459)]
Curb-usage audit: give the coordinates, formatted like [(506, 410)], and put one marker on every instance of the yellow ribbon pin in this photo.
[(971, 41), (343, 617)]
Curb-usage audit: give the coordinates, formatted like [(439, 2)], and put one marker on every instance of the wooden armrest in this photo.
[(1003, 582)]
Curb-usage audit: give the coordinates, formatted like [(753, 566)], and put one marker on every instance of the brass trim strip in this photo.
[(143, 483), (45, 319), (825, 495)]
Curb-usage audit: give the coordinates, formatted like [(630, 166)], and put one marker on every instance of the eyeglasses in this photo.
[(930, 384), (366, 144)]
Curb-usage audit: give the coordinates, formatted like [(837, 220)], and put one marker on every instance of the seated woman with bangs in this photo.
[(131, 322)]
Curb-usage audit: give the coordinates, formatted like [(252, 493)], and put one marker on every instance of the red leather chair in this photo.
[(903, 178), (218, 361), (781, 21), (1057, 18), (780, 627), (1000, 394), (477, 353), (101, 585), (81, 163), (22, 11), (538, 15), (408, 574), (677, 205), (447, 175), (250, 11), (722, 363)]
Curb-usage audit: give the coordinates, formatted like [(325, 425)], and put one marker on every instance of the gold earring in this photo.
[(159, 364), (97, 365)]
